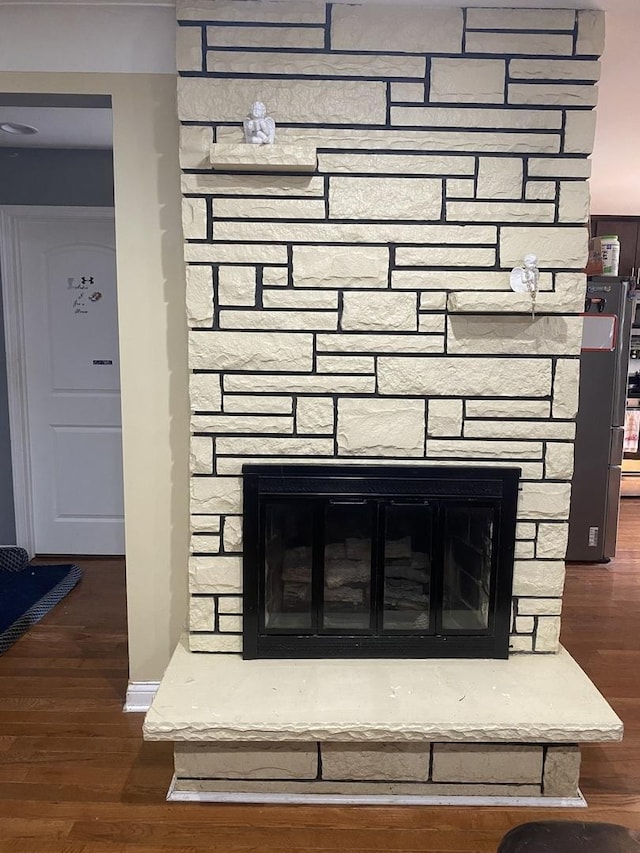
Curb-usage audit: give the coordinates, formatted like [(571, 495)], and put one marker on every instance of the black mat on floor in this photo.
[(28, 594), (570, 836)]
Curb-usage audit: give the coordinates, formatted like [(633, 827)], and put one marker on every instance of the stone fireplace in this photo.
[(350, 311)]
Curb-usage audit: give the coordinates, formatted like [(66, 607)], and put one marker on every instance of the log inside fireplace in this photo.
[(345, 561)]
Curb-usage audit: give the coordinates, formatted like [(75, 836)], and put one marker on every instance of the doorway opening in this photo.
[(60, 422)]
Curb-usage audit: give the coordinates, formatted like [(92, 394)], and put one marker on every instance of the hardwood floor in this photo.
[(76, 777)]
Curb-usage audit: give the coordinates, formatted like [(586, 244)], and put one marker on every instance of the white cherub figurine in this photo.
[(259, 128), (525, 279)]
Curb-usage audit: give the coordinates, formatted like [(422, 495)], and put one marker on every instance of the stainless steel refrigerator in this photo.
[(595, 493)]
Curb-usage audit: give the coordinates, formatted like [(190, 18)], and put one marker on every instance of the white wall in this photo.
[(615, 182), (115, 38)]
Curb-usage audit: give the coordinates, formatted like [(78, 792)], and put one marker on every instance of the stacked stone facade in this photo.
[(361, 312), (400, 769)]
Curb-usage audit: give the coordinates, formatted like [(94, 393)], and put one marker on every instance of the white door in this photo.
[(65, 287)]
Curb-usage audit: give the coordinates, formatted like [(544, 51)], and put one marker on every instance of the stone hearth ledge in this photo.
[(528, 698)]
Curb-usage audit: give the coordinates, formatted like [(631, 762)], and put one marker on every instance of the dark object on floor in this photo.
[(13, 559), (566, 836), (28, 595)]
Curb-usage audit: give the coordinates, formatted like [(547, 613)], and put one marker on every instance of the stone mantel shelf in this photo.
[(528, 698), (508, 302), (244, 157)]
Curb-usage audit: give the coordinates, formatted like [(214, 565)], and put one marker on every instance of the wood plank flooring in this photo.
[(76, 777)]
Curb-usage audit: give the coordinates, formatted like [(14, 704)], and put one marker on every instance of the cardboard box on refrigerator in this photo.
[(594, 261)]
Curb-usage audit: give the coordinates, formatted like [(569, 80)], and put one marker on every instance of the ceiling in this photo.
[(58, 127), (608, 5)]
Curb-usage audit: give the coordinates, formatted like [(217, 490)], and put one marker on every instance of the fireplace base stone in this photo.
[(381, 728), (415, 769)]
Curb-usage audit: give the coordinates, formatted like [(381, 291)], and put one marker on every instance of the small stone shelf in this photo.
[(508, 302), (264, 158)]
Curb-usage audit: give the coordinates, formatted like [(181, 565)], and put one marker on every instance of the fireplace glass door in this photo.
[(339, 571)]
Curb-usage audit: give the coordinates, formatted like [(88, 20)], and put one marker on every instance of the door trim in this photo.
[(11, 216)]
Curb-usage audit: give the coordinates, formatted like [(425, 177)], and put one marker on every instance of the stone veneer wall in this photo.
[(363, 313), (427, 769)]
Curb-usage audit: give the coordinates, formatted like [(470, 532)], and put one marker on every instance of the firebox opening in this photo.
[(350, 561)]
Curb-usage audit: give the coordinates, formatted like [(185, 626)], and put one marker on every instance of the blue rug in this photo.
[(28, 594)]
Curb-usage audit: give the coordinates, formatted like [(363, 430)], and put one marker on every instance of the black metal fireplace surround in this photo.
[(345, 561)]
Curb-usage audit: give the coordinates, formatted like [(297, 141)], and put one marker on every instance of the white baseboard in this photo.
[(174, 795), (140, 696)]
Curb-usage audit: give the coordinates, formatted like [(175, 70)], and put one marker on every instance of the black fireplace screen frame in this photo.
[(439, 488)]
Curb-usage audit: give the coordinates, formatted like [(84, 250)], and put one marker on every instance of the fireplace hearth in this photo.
[(400, 562)]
